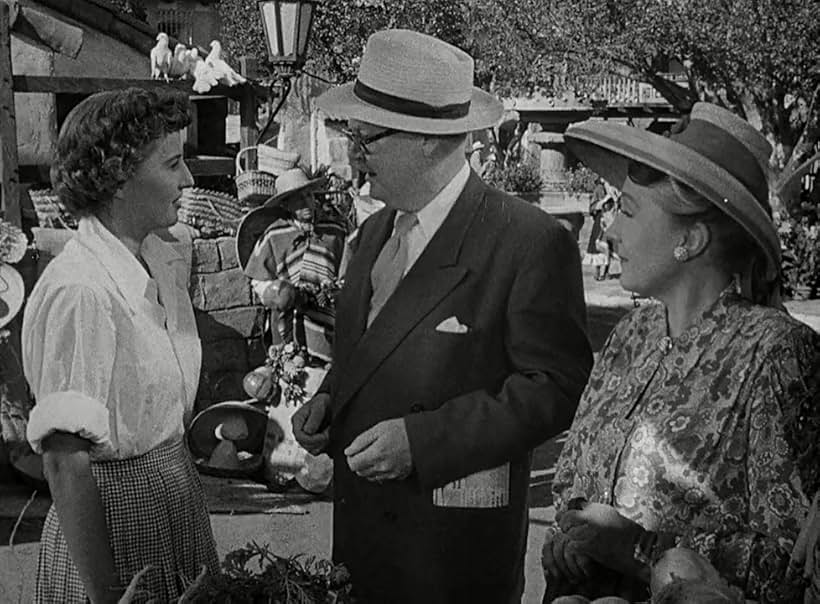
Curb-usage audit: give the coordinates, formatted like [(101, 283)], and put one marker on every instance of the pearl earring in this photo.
[(681, 254)]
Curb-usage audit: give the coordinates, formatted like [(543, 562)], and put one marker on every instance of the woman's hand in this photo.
[(601, 533), (560, 557), (808, 541)]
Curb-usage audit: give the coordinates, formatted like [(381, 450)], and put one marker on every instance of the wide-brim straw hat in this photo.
[(12, 293), (718, 154), (288, 185), (415, 83), (202, 433)]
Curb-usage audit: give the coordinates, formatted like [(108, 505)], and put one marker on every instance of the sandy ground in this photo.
[(286, 533)]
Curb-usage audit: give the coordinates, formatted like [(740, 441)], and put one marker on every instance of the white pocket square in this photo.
[(452, 325)]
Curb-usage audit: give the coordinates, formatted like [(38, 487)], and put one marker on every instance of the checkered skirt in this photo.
[(156, 515)]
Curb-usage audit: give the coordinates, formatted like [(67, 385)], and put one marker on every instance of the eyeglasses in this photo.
[(362, 141)]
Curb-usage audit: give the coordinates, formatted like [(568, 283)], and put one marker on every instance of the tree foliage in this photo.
[(761, 58), (341, 29)]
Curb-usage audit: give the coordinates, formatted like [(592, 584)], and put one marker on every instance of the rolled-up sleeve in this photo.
[(69, 348)]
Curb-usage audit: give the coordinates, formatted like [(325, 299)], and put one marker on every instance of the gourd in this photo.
[(682, 576), (258, 383), (683, 564), (694, 592), (280, 294)]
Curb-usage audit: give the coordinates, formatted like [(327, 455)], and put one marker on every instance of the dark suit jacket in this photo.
[(471, 401)]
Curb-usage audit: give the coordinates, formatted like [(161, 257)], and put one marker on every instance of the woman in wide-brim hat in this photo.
[(694, 425)]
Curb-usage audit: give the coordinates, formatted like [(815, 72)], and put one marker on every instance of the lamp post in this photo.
[(287, 25), (287, 30)]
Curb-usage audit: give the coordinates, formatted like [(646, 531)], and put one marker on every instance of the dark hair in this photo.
[(106, 137), (735, 249)]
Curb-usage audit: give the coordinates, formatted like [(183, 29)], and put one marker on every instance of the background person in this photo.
[(692, 429), (112, 355), (459, 347)]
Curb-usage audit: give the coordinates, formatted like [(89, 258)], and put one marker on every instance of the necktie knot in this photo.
[(404, 223)]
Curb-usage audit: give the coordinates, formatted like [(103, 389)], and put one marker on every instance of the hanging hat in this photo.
[(12, 293), (290, 185), (416, 83), (204, 437), (718, 154)]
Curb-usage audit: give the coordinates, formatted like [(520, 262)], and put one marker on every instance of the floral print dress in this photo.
[(711, 437)]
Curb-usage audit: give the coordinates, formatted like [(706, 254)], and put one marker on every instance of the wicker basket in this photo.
[(275, 161), (212, 213), (252, 186), (51, 213)]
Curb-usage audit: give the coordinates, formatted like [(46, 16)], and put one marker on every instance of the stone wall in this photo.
[(229, 319)]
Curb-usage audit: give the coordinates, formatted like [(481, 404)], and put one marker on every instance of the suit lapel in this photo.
[(434, 275)]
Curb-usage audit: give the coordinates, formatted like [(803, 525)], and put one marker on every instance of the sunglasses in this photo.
[(362, 141)]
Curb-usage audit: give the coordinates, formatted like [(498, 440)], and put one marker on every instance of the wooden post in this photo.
[(248, 131), (9, 176)]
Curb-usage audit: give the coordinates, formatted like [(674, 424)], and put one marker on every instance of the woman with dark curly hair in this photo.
[(111, 351)]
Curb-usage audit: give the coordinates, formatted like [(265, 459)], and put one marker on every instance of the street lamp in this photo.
[(287, 30)]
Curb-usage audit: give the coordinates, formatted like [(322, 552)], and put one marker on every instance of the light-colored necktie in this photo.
[(389, 267)]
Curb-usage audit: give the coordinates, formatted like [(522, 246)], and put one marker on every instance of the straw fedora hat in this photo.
[(203, 437), (416, 83), (718, 154), (12, 293), (289, 185)]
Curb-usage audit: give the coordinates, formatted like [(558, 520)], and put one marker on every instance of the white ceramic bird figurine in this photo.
[(161, 57), (223, 72), (178, 67), (204, 77)]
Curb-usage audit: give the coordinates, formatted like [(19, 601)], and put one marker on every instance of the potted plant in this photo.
[(580, 181), (800, 243), (522, 179)]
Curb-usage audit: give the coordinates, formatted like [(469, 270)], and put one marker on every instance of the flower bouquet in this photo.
[(288, 383)]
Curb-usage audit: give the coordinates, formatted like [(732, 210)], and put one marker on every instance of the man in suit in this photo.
[(460, 342)]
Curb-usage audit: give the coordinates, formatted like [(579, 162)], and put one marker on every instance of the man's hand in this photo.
[(310, 424), (381, 452)]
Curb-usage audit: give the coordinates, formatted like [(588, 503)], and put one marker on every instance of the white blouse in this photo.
[(111, 354)]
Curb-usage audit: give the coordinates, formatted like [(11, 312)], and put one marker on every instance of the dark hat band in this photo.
[(724, 150), (407, 107)]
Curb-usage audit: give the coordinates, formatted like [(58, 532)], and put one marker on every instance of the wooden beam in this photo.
[(209, 165), (9, 178), (69, 85), (42, 28), (248, 132), (34, 174)]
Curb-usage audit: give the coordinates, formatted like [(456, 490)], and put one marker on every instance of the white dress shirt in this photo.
[(431, 216), (111, 353)]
